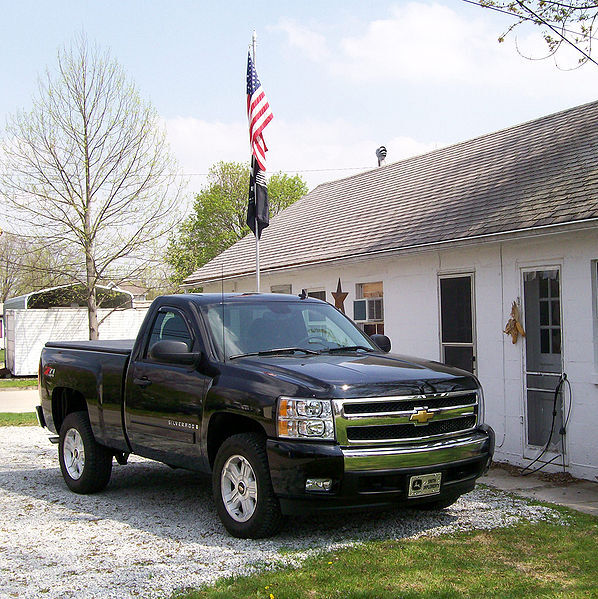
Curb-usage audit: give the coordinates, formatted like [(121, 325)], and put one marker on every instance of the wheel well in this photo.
[(223, 426), (65, 401)]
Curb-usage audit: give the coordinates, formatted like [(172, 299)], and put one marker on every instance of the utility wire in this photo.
[(527, 470), (299, 170)]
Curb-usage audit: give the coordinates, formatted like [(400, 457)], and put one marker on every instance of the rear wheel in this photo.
[(85, 464), (242, 488)]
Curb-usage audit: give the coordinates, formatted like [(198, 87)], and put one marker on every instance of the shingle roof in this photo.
[(543, 172)]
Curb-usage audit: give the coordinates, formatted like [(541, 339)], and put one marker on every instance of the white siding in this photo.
[(29, 330), (411, 315)]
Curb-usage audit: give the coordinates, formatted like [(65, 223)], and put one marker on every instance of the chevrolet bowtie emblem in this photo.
[(421, 416)]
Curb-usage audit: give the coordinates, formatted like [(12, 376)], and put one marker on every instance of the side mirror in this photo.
[(382, 341), (173, 352)]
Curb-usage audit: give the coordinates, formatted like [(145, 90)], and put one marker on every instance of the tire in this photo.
[(242, 488), (85, 464), (439, 504)]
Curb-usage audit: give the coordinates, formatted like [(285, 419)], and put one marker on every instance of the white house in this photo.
[(434, 250)]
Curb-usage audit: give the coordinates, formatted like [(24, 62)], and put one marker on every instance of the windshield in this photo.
[(253, 327)]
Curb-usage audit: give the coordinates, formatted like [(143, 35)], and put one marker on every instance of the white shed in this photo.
[(28, 329)]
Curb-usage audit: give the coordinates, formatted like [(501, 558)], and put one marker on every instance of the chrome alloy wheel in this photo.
[(238, 486), (74, 453)]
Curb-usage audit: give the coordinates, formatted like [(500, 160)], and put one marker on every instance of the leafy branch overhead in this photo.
[(563, 24), (217, 220)]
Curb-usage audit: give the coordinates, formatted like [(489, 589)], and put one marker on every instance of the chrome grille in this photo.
[(377, 407), (403, 419), (394, 432)]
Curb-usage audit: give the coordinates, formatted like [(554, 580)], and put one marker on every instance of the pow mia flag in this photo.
[(257, 209)]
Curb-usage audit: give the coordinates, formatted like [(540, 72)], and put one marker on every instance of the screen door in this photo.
[(543, 355)]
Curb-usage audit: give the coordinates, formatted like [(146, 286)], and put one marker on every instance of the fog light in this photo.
[(318, 484)]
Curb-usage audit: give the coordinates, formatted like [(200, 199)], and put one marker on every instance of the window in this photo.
[(170, 325), (368, 308), (457, 321), (281, 289), (321, 295), (239, 328), (595, 314)]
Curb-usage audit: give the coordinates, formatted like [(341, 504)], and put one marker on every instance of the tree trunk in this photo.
[(92, 304), (92, 313)]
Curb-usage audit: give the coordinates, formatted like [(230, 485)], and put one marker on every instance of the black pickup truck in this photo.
[(282, 398)]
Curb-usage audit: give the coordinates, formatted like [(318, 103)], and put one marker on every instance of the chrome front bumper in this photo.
[(437, 453)]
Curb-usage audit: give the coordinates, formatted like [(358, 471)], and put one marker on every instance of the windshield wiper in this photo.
[(272, 352), (349, 348)]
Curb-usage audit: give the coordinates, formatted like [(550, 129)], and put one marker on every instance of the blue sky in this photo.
[(342, 77)]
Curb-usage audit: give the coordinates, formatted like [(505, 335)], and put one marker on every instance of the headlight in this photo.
[(481, 406), (305, 418)]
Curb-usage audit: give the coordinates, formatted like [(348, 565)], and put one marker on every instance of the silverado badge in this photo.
[(421, 416)]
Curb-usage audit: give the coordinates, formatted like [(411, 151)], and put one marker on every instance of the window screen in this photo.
[(455, 293)]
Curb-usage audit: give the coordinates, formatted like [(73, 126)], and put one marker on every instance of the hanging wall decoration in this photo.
[(339, 297), (514, 326)]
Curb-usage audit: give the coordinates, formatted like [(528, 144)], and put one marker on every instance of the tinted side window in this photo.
[(170, 325)]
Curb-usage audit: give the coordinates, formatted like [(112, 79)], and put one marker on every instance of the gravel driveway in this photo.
[(155, 530)]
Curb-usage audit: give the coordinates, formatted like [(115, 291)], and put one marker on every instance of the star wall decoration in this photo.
[(339, 297)]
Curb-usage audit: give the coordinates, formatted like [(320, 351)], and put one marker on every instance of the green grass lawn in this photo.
[(18, 383), (542, 560), (18, 419), (10, 383)]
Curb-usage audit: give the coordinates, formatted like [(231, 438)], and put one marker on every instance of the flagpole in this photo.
[(257, 238)]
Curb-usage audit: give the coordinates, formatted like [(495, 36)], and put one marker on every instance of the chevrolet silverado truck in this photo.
[(283, 399)]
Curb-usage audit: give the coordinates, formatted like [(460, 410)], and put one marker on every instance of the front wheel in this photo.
[(85, 464), (242, 487)]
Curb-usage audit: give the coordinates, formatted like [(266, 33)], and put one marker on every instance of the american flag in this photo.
[(258, 113)]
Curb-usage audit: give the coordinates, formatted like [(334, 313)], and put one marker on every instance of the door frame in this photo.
[(533, 451), (454, 274)]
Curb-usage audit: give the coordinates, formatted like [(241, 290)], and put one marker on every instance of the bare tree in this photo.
[(26, 265), (88, 171), (571, 23), (10, 255)]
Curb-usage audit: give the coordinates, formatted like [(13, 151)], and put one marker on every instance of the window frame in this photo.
[(287, 285), (163, 310), (594, 282), (310, 293), (370, 303), (473, 344)]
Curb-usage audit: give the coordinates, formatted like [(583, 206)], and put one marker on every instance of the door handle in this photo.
[(142, 382)]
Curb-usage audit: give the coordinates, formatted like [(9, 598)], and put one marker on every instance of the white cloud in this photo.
[(432, 44), (198, 144), (318, 151), (415, 41), (313, 45)]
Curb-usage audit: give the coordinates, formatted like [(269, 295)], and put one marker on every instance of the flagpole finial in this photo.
[(253, 45)]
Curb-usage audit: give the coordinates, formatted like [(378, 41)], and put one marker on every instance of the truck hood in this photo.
[(362, 375)]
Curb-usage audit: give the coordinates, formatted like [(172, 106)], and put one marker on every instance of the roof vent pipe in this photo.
[(381, 155)]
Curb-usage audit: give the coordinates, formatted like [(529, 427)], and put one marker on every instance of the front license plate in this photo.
[(425, 484)]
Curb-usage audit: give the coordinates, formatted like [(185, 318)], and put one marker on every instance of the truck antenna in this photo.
[(222, 302)]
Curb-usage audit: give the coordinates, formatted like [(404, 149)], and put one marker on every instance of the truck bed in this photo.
[(113, 346)]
